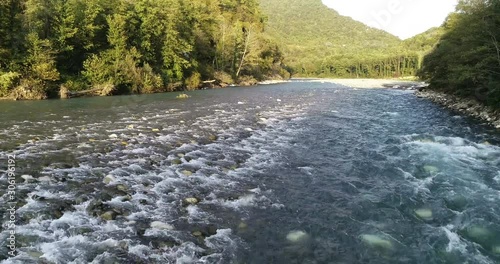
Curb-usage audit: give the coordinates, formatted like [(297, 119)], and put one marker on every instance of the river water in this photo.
[(300, 172)]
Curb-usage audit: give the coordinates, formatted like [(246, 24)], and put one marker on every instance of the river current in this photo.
[(300, 172)]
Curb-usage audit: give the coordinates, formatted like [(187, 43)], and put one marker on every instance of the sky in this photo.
[(403, 18)]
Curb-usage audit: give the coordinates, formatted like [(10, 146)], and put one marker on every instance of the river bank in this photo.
[(372, 83), (469, 107), (64, 93), (466, 106)]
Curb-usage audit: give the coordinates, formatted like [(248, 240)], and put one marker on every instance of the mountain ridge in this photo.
[(316, 38)]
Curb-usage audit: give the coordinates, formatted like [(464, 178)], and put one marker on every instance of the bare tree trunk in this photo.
[(244, 53), (497, 47)]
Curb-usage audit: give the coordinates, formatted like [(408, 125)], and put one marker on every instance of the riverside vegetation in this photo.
[(463, 70), (466, 61), (124, 47)]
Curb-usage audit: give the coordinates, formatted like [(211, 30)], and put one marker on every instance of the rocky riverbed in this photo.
[(467, 106)]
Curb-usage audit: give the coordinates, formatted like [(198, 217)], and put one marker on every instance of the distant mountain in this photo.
[(426, 41), (309, 31)]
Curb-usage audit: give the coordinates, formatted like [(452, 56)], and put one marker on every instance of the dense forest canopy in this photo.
[(466, 61), (122, 46)]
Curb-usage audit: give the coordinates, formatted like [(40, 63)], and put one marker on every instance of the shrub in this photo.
[(193, 81), (8, 81), (223, 77)]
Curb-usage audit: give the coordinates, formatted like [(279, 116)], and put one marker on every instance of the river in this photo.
[(300, 172)]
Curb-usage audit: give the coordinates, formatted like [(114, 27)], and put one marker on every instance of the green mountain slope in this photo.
[(309, 31), (424, 42), (318, 41)]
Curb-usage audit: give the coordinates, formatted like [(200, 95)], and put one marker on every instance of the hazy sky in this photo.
[(403, 18)]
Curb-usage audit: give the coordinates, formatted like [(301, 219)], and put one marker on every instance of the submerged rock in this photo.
[(108, 179), (108, 216), (212, 137), (431, 169), (478, 233), (496, 250), (44, 179), (28, 178), (35, 254), (456, 203), (376, 242), (161, 226), (191, 201), (176, 162), (242, 225), (197, 234), (121, 188), (187, 173), (425, 214), (296, 236)]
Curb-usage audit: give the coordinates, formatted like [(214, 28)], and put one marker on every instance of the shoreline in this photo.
[(249, 84), (352, 83), (465, 106), (370, 83)]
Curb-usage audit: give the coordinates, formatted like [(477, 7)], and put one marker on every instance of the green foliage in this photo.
[(466, 61), (223, 77), (142, 46), (7, 82), (193, 81)]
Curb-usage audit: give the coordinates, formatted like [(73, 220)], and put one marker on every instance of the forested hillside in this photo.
[(122, 46), (317, 41), (466, 61)]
